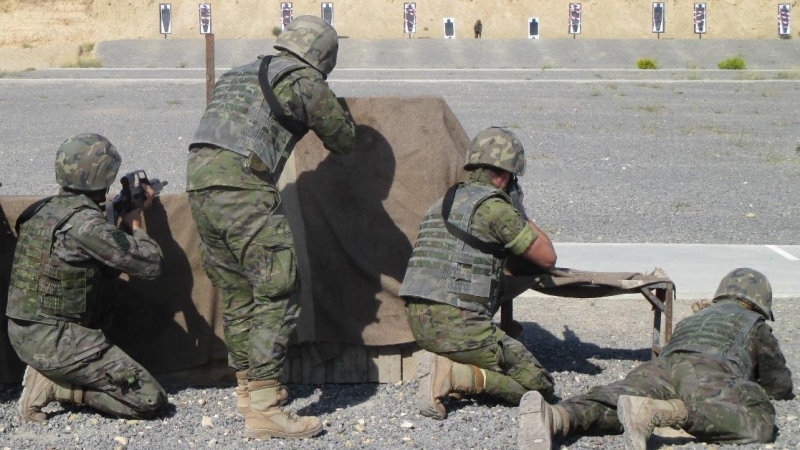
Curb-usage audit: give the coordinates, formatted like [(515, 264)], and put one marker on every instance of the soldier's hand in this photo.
[(132, 220), (149, 194)]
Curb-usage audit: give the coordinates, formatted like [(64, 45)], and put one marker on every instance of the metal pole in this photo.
[(210, 74)]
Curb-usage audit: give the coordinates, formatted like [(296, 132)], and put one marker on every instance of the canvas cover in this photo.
[(355, 219)]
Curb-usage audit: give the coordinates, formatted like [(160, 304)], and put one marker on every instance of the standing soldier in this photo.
[(714, 380), (478, 28), (61, 291), (256, 115), (454, 278)]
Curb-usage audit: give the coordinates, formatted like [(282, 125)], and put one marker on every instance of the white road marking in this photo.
[(782, 252)]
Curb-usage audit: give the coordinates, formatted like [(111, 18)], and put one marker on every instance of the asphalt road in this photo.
[(685, 154)]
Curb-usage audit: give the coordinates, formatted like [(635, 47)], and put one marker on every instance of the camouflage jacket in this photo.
[(306, 97), (84, 241)]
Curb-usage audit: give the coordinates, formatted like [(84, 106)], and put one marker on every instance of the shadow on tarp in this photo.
[(354, 245), (157, 323)]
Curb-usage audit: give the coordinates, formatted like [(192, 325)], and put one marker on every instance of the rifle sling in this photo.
[(294, 126), (498, 251)]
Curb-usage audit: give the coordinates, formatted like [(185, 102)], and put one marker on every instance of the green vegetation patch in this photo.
[(646, 63), (733, 63)]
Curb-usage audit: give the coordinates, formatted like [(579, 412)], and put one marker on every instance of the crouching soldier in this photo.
[(714, 380), (61, 291), (454, 277)]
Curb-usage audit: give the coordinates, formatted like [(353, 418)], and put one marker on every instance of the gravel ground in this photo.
[(580, 352)]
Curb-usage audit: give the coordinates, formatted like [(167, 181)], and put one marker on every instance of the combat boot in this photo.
[(440, 377), (264, 418), (38, 391), (243, 395), (539, 422), (639, 416)]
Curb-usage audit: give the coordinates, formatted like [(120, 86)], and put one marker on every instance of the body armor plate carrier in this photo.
[(42, 288), (719, 331), (239, 119), (445, 269)]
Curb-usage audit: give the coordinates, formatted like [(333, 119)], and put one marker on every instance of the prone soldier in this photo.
[(714, 379)]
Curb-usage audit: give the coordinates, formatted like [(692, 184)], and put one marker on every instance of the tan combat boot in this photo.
[(38, 391), (539, 422), (243, 395), (266, 419), (439, 377), (640, 415)]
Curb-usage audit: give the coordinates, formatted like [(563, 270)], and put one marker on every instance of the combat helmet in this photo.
[(311, 39), (87, 162), (749, 286), (496, 147)]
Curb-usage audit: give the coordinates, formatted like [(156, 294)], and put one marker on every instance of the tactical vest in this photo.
[(239, 119), (42, 288), (718, 331), (447, 270)]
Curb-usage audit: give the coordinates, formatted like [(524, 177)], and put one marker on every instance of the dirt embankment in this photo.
[(46, 33)]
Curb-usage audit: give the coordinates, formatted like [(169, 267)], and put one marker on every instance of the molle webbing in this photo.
[(445, 269), (41, 288), (239, 119), (719, 331)]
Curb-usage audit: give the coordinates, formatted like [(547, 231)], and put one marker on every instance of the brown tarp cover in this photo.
[(354, 217)]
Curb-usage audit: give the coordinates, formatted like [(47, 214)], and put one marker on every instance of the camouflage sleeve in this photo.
[(771, 371), (137, 255), (503, 223), (314, 103)]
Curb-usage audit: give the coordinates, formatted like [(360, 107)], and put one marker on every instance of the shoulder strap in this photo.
[(30, 211), (498, 251), (294, 126)]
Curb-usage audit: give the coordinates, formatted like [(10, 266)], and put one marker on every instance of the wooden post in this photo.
[(210, 74)]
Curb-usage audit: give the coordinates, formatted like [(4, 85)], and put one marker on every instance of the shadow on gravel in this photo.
[(335, 396), (570, 354)]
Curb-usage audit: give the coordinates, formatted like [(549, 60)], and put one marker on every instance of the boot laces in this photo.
[(291, 415)]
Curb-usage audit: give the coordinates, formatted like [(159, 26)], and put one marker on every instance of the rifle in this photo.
[(132, 194)]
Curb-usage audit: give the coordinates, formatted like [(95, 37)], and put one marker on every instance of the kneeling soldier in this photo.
[(61, 291)]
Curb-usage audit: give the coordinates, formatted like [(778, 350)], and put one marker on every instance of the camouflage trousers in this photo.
[(471, 338), (722, 407), (248, 254), (114, 384)]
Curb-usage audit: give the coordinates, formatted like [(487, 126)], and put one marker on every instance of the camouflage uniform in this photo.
[(724, 364), (234, 163), (463, 332), (62, 293)]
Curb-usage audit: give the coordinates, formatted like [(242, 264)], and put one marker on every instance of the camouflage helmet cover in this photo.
[(311, 39), (496, 147), (749, 286), (87, 162)]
